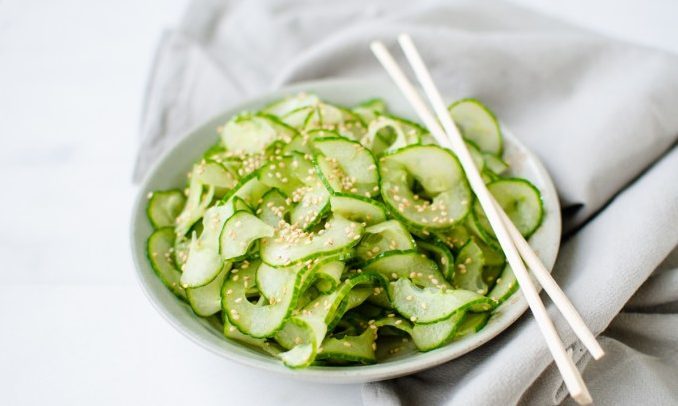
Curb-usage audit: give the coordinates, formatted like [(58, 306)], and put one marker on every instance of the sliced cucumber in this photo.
[(239, 232), (520, 200), (442, 255), (328, 276), (455, 237), (395, 265), (430, 305), (444, 198), (395, 322), (206, 300), (212, 173), (249, 189), (495, 163), (383, 237), (386, 134), (476, 155), (313, 205), (291, 245), (196, 204), (368, 110), (259, 320), (305, 243), (351, 348), (258, 343), (472, 323), (164, 207), (274, 208), (477, 123), (204, 262), (159, 251), (358, 208), (303, 333), (506, 285), (469, 269), (346, 166), (428, 337), (281, 175), (284, 106), (250, 134)]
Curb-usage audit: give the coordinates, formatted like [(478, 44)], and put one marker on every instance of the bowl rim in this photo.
[(513, 308)]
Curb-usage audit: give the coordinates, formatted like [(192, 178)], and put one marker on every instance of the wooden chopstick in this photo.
[(452, 139), (551, 287), (544, 277)]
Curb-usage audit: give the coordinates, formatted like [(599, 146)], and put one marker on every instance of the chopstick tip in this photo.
[(404, 38), (376, 44)]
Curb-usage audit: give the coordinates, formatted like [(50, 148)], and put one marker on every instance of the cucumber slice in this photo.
[(383, 237), (445, 197), (164, 207), (370, 109), (239, 232), (315, 271), (247, 133), (304, 333), (395, 265), (328, 276), (495, 163), (258, 343), (387, 134), (291, 245), (249, 189), (351, 348), (493, 257), (302, 142), (442, 255), (506, 285), (429, 305), (358, 208), (159, 251), (469, 269), (204, 262), (395, 322), (477, 123), (274, 208), (520, 200), (212, 173), (259, 320), (347, 166), (455, 238), (313, 204), (196, 205), (428, 337), (281, 175), (476, 155), (206, 300), (472, 323), (284, 106)]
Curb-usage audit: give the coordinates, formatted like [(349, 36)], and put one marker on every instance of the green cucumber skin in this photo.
[(488, 236), (173, 286), (152, 218), (393, 211), (323, 178), (500, 150)]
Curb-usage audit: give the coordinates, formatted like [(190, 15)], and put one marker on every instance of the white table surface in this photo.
[(75, 327)]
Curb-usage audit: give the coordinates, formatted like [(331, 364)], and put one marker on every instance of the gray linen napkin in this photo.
[(601, 114)]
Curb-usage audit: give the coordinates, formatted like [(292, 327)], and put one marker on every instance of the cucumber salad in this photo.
[(328, 235)]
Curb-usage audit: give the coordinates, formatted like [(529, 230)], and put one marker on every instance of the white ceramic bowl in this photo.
[(170, 172)]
